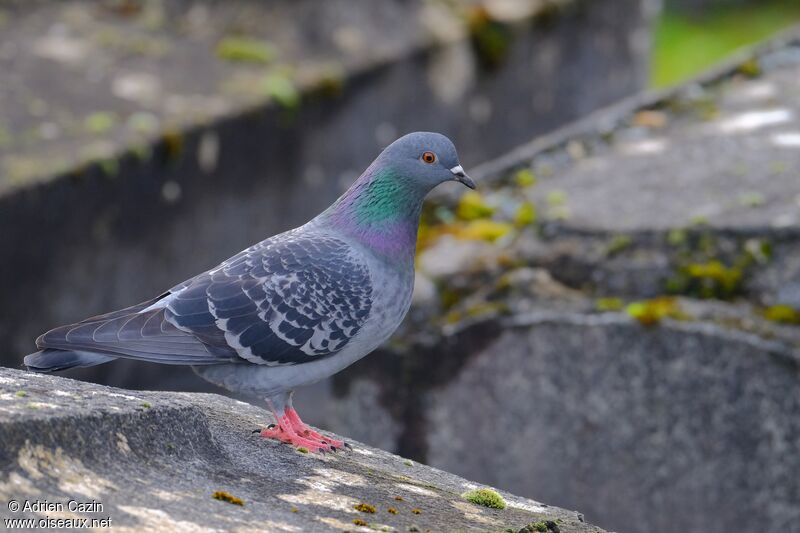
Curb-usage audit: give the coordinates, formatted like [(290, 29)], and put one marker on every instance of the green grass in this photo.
[(686, 45)]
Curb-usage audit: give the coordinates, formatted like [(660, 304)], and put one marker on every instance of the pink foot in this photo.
[(302, 429), (286, 433)]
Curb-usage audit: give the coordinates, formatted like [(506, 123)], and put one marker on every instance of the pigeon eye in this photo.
[(429, 157)]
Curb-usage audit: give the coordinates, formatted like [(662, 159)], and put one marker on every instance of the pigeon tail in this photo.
[(52, 360)]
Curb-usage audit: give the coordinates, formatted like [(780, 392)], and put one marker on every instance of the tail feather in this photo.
[(53, 360)]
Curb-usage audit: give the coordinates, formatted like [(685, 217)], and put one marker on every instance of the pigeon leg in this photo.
[(302, 429), (285, 432)]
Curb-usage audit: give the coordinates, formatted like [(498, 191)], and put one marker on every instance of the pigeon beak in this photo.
[(461, 176)]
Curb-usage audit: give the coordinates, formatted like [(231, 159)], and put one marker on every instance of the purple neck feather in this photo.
[(381, 210)]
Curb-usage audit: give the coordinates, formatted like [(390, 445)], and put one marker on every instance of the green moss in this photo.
[(223, 496), (491, 39), (245, 49), (525, 214), (109, 166), (750, 68), (484, 230), (651, 312), (556, 198), (759, 249), (99, 122), (751, 199), (280, 87), (609, 304), (783, 314), (677, 237), (541, 526), (146, 405), (364, 508), (20, 394), (711, 279), (525, 178), (142, 122), (471, 206), (301, 449), (617, 244), (485, 497)]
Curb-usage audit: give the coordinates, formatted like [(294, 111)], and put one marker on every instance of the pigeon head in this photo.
[(425, 160), (382, 208)]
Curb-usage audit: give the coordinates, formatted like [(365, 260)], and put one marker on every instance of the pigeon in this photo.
[(291, 310)]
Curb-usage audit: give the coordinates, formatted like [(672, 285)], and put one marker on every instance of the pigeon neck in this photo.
[(381, 210)]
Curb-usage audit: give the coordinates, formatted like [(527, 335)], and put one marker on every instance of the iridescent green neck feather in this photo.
[(381, 210)]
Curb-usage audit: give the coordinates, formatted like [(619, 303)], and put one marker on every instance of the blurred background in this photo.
[(610, 323)]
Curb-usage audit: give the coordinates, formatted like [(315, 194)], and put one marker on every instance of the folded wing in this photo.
[(288, 300)]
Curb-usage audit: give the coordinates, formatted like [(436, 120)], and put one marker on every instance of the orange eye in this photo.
[(429, 157)]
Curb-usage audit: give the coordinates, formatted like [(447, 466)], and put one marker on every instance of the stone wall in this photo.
[(634, 350), (124, 214)]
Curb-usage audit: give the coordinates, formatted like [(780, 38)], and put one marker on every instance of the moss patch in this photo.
[(525, 214), (280, 87), (245, 49), (783, 314), (485, 497), (364, 508), (471, 206), (484, 230), (651, 312), (542, 526), (223, 496), (609, 304), (491, 39), (525, 178)]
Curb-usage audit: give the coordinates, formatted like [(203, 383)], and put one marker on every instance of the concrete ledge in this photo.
[(154, 460)]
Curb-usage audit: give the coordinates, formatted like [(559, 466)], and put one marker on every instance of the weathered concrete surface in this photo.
[(682, 427), (80, 243), (154, 460), (538, 341)]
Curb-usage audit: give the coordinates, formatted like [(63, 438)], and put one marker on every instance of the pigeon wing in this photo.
[(288, 300)]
